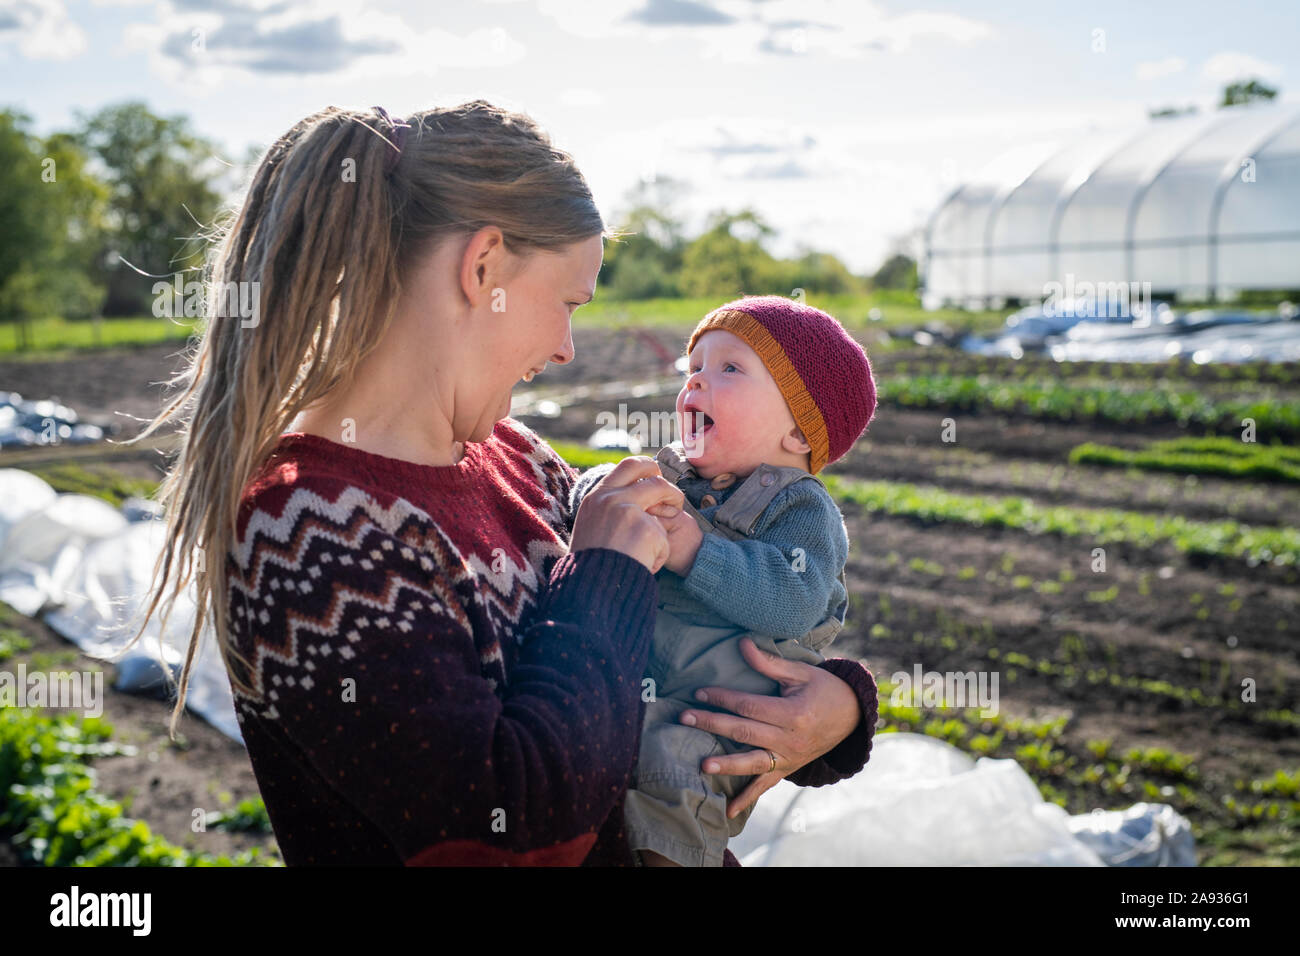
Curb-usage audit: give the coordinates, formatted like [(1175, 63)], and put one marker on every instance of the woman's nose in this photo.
[(566, 353)]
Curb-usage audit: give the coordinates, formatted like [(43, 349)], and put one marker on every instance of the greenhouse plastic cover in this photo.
[(919, 802), (1190, 204)]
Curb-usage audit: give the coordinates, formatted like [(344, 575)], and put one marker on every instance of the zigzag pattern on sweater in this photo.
[(394, 566)]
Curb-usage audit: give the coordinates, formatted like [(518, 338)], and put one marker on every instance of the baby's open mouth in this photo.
[(697, 423)]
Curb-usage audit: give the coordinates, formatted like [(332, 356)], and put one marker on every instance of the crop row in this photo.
[(1222, 457), (1077, 780), (1070, 403), (1076, 672), (1220, 539), (1215, 539), (1042, 367), (1037, 746)]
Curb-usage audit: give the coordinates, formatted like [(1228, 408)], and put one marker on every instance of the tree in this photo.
[(897, 272), (728, 259), (645, 264), (1236, 94), (813, 271), (160, 201), (28, 228), (53, 210), (81, 206)]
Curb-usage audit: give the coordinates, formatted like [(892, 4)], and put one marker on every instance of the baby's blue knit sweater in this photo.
[(782, 581)]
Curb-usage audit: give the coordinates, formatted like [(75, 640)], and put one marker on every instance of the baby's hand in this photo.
[(684, 540)]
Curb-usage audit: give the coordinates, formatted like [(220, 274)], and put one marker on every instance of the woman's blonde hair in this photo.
[(323, 241)]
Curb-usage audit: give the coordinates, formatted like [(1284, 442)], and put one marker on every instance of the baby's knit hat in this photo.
[(821, 370)]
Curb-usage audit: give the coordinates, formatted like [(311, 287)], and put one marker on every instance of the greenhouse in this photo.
[(1195, 207)]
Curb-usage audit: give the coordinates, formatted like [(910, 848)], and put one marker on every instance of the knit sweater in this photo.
[(435, 679)]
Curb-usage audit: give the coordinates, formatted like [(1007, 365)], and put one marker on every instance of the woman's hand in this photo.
[(816, 710), (614, 514)]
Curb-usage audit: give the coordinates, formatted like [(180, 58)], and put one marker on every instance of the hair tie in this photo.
[(397, 130)]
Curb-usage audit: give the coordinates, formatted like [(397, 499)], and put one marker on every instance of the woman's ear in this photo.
[(486, 266)]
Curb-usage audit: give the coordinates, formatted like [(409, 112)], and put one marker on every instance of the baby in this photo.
[(776, 391)]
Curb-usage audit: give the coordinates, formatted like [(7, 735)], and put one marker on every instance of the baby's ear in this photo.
[(795, 442)]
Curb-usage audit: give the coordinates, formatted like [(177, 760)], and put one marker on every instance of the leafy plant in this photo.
[(1219, 456), (1057, 401), (48, 800)]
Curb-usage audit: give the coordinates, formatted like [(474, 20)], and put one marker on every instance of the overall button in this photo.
[(708, 501), (767, 479), (724, 480)]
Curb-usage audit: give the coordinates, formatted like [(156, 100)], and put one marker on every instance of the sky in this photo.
[(843, 123)]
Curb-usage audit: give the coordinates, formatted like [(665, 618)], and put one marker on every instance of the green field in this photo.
[(53, 335)]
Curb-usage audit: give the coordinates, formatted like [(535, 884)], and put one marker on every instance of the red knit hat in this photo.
[(821, 370)]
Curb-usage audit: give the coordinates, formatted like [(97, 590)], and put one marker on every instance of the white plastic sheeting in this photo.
[(1193, 204), (85, 568), (918, 802)]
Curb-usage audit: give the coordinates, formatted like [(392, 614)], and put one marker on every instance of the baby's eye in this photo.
[(695, 368)]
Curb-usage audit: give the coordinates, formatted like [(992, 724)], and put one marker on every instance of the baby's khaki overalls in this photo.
[(673, 808)]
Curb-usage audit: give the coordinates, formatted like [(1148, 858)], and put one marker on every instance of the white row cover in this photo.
[(1198, 204), (81, 564), (922, 802)]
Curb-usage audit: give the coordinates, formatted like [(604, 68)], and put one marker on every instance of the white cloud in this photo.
[(590, 18), (1155, 69), (741, 31), (42, 29), (902, 31), (580, 97), (200, 45), (1230, 65)]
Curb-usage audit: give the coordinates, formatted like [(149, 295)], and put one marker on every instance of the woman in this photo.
[(432, 661)]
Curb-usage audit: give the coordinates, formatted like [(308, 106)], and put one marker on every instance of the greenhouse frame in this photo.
[(1198, 206)]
